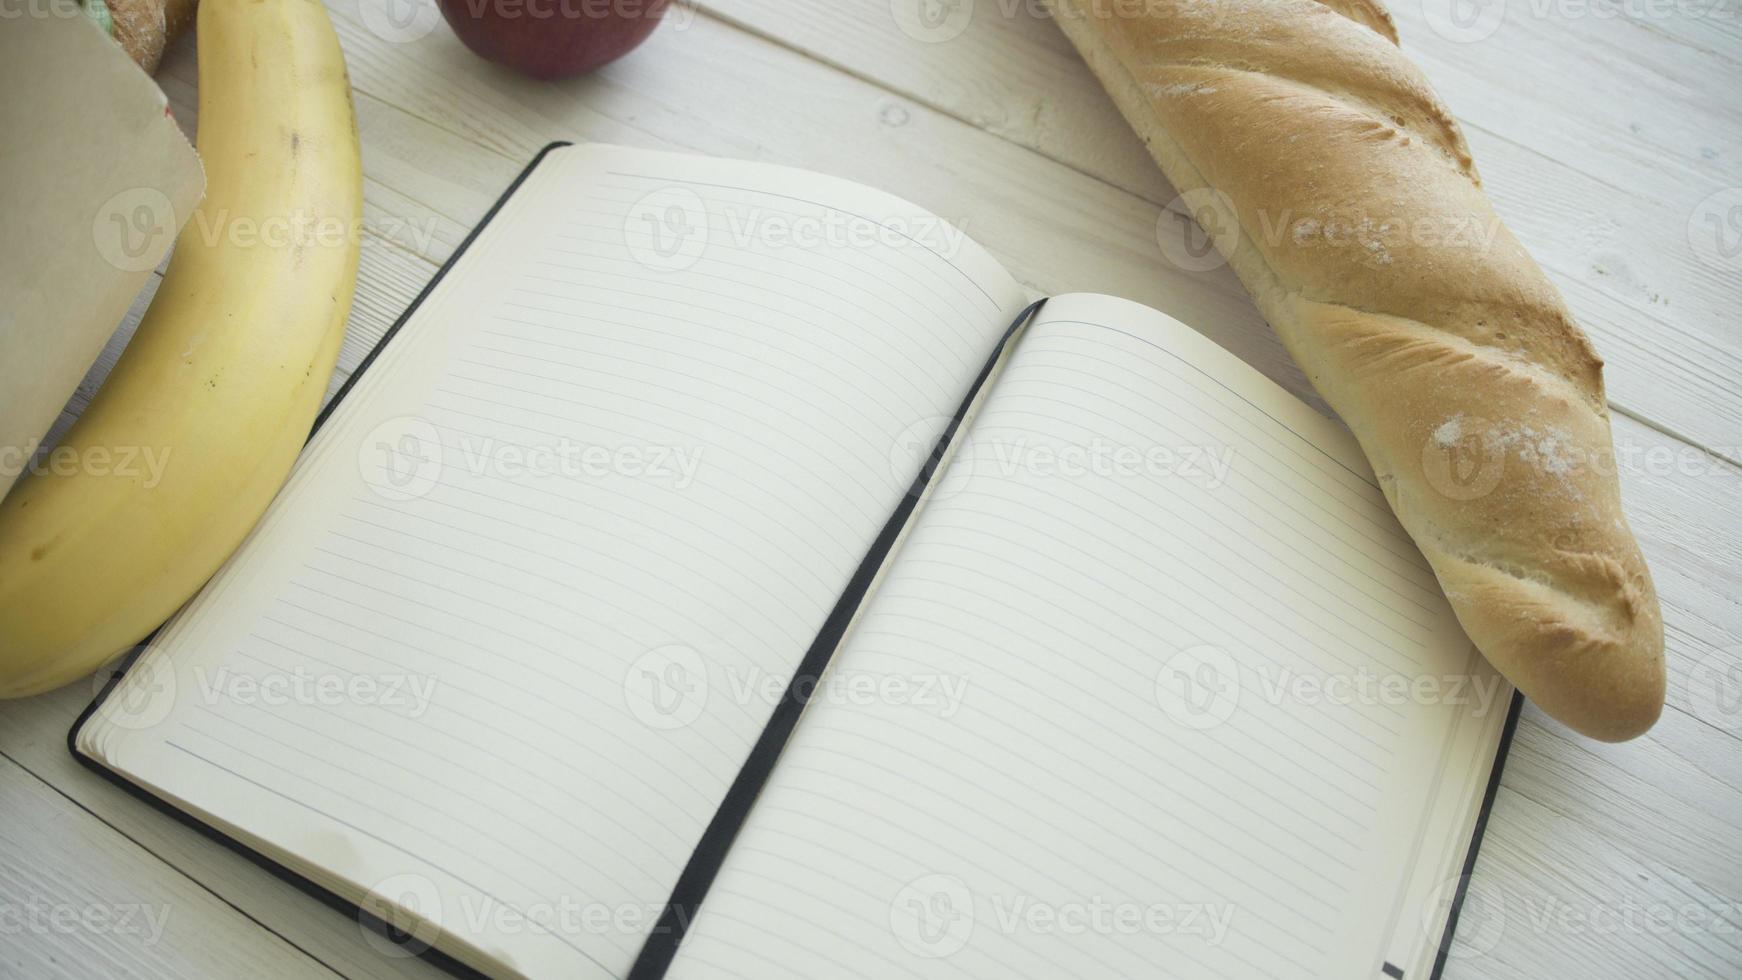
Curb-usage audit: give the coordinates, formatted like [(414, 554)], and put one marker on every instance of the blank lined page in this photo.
[(1155, 687), (501, 645)]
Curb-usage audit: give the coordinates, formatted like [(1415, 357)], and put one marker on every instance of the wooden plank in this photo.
[(1711, 27), (1662, 316), (1548, 893), (1585, 92), (1604, 94), (1685, 507), (81, 900), (77, 858), (1670, 799)]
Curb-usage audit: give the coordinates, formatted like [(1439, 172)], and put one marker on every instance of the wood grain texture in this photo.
[(79, 900), (1003, 132), (1616, 242), (33, 736)]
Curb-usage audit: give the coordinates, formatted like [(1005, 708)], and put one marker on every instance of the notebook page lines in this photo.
[(1273, 558), (590, 518), (1167, 709), (248, 776), (1352, 508), (924, 231)]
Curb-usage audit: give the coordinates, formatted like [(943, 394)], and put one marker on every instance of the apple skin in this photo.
[(551, 39)]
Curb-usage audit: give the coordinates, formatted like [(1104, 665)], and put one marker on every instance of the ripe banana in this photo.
[(226, 372)]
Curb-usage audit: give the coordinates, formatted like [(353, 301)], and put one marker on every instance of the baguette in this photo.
[(1342, 193), (146, 28)]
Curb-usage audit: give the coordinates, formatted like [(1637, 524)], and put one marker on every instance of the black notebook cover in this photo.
[(711, 849)]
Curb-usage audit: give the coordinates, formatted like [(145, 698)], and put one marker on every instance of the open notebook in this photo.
[(1147, 681)]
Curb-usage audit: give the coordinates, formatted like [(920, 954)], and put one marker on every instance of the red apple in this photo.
[(553, 38)]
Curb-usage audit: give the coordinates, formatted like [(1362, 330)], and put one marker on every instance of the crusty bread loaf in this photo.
[(145, 28), (1356, 220)]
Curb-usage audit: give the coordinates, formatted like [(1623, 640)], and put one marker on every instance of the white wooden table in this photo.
[(1609, 133)]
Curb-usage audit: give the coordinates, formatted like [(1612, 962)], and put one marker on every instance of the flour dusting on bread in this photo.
[(1367, 242)]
